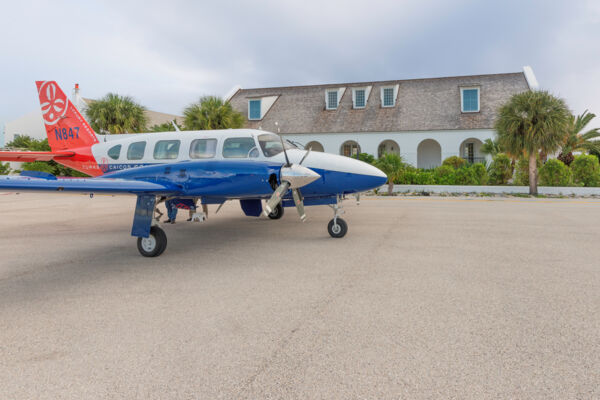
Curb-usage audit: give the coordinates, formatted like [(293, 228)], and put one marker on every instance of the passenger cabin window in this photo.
[(271, 144), (241, 147), (114, 152), (136, 150), (203, 148), (166, 149)]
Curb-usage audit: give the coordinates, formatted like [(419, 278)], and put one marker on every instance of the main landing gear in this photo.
[(337, 227), (154, 244)]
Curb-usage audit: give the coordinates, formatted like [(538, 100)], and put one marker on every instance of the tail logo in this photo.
[(54, 103)]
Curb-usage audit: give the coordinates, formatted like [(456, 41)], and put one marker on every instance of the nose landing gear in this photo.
[(337, 227)]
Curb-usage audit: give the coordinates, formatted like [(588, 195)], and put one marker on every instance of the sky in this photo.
[(166, 54)]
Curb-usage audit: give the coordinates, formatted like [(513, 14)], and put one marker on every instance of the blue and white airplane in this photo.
[(248, 165)]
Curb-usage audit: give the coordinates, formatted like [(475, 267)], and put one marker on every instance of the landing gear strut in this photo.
[(337, 227)]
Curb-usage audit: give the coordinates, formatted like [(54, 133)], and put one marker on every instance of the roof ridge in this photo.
[(389, 81)]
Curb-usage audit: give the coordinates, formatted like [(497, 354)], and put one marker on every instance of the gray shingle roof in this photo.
[(423, 104)]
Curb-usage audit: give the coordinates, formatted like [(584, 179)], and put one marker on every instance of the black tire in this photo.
[(153, 245), (277, 212), (339, 230)]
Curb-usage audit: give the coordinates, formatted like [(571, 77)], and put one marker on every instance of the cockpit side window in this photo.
[(114, 152), (271, 144), (240, 147), (203, 148)]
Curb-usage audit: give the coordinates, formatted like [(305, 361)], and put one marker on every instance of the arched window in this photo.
[(388, 147), (350, 148), (314, 146), (429, 154), (470, 150)]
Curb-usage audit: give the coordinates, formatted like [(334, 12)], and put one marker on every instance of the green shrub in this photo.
[(586, 170), (500, 170), (425, 178), (444, 175), (454, 162), (481, 175), (555, 173), (4, 168), (465, 176), (366, 157), (522, 172)]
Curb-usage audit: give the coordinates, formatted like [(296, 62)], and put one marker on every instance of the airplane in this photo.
[(214, 166)]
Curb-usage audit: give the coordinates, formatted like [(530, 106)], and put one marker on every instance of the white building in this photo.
[(423, 120)]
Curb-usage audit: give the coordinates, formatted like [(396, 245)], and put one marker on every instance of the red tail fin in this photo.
[(65, 126)]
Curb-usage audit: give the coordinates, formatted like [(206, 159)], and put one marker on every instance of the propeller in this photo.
[(292, 176)]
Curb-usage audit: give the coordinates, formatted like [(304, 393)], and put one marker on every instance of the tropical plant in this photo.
[(531, 122), (500, 170), (522, 171), (393, 166), (481, 174), (116, 114), (4, 168), (586, 170), (52, 167), (212, 113), (366, 157), (491, 147), (575, 140), (555, 173), (454, 162), (444, 175), (166, 127)]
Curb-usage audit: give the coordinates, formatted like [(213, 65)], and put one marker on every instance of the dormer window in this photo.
[(332, 99), (469, 99), (388, 95), (254, 109), (359, 99)]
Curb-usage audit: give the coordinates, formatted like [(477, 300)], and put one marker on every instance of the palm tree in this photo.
[(116, 114), (212, 113), (491, 147), (577, 141), (532, 122), (392, 166)]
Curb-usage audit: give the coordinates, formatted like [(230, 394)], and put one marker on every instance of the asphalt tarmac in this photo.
[(425, 298)]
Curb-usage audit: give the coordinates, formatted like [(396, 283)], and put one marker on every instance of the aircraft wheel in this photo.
[(153, 245), (337, 230), (277, 212)]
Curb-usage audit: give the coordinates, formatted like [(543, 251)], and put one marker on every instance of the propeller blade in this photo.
[(306, 155), (287, 160), (299, 201), (276, 197)]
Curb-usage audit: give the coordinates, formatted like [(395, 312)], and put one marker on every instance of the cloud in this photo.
[(167, 54)]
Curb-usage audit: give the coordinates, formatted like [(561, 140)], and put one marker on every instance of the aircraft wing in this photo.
[(49, 183), (29, 156)]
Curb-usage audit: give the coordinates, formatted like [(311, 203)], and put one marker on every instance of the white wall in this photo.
[(30, 124), (449, 141)]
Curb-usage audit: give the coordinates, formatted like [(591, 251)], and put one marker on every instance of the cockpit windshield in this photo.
[(271, 144)]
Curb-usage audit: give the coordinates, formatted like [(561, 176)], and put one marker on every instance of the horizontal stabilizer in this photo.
[(30, 156)]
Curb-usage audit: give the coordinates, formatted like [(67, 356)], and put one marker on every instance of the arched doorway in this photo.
[(429, 154), (388, 147), (350, 148), (314, 146), (470, 150)]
